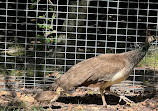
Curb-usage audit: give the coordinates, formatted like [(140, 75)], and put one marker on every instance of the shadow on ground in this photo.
[(96, 99)]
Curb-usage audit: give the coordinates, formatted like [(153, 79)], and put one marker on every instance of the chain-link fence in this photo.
[(42, 39)]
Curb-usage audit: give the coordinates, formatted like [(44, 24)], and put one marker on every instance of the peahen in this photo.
[(104, 70)]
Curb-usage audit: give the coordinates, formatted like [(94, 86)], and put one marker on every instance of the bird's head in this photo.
[(59, 89), (150, 39)]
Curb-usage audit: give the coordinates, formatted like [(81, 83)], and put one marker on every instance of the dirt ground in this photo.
[(94, 103), (76, 102)]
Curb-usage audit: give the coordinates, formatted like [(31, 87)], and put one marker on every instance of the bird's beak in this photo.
[(156, 38)]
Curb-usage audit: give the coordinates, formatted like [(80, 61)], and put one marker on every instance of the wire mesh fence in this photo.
[(42, 39)]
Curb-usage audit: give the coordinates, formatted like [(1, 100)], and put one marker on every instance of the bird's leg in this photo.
[(102, 88), (50, 104), (103, 98), (128, 101)]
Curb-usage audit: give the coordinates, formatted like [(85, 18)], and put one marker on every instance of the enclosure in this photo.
[(41, 39)]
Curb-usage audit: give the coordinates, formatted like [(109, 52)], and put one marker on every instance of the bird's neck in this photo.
[(58, 93), (136, 56), (142, 51), (146, 47)]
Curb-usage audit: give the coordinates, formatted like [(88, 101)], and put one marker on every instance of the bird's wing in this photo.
[(106, 67), (95, 69), (45, 95)]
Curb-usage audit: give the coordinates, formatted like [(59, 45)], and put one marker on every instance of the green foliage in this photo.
[(18, 107), (33, 6), (48, 30), (150, 60), (21, 106), (47, 37), (16, 73)]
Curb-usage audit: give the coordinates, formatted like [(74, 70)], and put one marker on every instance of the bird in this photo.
[(104, 70), (49, 96)]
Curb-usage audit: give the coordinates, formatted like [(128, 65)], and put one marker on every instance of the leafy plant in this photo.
[(43, 24), (48, 30), (32, 6)]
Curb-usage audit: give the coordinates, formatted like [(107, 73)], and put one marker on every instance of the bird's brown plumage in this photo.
[(103, 70), (93, 70), (48, 95)]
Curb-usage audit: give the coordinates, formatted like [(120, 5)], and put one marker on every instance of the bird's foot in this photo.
[(103, 108), (104, 105), (128, 101), (50, 107)]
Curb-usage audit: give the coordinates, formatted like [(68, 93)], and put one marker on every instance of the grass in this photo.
[(150, 60)]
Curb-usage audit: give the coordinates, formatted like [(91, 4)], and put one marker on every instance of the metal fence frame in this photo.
[(31, 36)]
